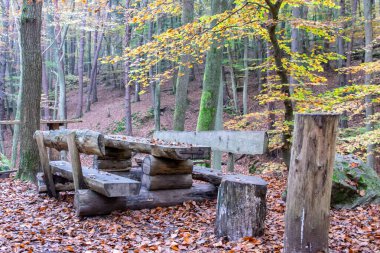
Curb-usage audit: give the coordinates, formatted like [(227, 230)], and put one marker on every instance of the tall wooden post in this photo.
[(309, 183), (75, 163)]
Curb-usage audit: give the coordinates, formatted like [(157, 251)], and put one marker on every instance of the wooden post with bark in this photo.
[(309, 183)]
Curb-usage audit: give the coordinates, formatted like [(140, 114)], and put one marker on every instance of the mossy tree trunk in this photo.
[(211, 78), (183, 74), (31, 78)]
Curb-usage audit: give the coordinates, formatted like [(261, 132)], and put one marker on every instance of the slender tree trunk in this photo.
[(45, 88), (279, 54), (246, 76), (342, 78), (211, 78), (79, 112), (295, 44), (94, 72), (97, 51), (60, 35), (260, 50), (89, 53), (367, 79), (128, 110), (31, 78), (17, 105), (271, 105), (157, 88), (217, 155), (350, 46), (233, 81), (4, 44), (182, 83)]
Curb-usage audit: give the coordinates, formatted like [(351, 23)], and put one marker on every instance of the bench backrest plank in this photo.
[(237, 142)]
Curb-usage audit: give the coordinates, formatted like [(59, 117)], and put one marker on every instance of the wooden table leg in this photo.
[(54, 155)]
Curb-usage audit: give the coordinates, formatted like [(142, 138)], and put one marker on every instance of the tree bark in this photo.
[(279, 54), (4, 44), (246, 76), (128, 107), (211, 78), (241, 207), (31, 78), (369, 111), (183, 79), (79, 112), (310, 182), (59, 37), (295, 44), (233, 81)]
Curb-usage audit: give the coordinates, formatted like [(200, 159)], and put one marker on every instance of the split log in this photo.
[(59, 186), (162, 198), (208, 175), (163, 182), (87, 141), (241, 207), (88, 203), (105, 183), (237, 142), (162, 166), (112, 164), (309, 183), (146, 146)]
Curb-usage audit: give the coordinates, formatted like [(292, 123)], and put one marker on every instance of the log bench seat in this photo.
[(107, 184)]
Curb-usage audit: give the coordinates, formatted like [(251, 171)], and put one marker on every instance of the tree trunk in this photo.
[(211, 78), (367, 79), (279, 55), (309, 183), (94, 69), (79, 112), (4, 44), (246, 76), (233, 81), (350, 46), (182, 83), (31, 78), (295, 44), (128, 109), (271, 106), (60, 33)]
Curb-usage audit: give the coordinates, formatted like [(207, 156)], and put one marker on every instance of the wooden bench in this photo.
[(232, 142)]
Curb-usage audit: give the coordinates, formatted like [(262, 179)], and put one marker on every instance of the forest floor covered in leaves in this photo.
[(36, 223)]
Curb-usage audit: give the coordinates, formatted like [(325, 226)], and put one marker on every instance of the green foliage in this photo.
[(354, 183), (138, 119), (73, 81), (5, 163)]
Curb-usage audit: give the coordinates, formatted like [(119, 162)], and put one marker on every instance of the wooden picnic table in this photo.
[(52, 124)]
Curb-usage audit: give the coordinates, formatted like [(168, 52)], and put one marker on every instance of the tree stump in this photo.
[(309, 183), (241, 207)]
